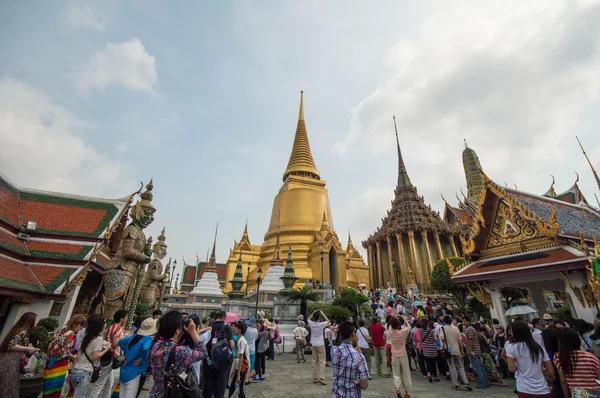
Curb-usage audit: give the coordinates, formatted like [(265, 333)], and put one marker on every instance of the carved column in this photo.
[(371, 266), (438, 245), (453, 245), (413, 254), (429, 266), (391, 258), (379, 267), (402, 263)]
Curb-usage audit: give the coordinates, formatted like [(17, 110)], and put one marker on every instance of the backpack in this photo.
[(177, 386), (220, 352)]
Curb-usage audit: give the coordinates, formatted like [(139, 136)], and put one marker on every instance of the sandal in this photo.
[(468, 387), (455, 387)]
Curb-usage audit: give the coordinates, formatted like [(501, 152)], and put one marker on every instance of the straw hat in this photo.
[(268, 324), (148, 327), (547, 316)]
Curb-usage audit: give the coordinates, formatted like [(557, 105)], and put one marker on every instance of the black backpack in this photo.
[(220, 352), (177, 386)]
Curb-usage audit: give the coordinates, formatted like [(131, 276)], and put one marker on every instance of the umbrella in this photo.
[(231, 317), (418, 303), (520, 310), (362, 285)]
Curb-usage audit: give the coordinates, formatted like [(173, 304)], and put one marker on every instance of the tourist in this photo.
[(486, 358), (271, 350), (441, 361), (277, 336), (548, 319), (400, 365), (552, 344), (499, 341), (451, 339), (350, 372), (474, 354), (59, 355), (538, 325), (531, 361), (327, 341), (576, 367), (300, 334), (156, 314), (388, 342), (251, 335), (318, 345), (400, 308), (378, 339), (136, 349), (14, 345), (241, 364), (428, 348), (93, 347), (334, 330), (380, 313), (261, 352), (108, 380), (301, 321), (416, 338), (216, 375), (170, 328), (364, 342)]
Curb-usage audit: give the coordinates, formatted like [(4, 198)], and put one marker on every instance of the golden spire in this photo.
[(350, 245), (212, 263), (245, 238), (590, 163), (276, 254), (403, 180), (301, 161), (325, 223)]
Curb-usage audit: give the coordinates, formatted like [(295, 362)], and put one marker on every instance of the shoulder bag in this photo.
[(96, 372), (182, 385), (447, 353)]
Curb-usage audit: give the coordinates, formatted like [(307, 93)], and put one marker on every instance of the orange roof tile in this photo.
[(9, 208), (58, 250), (51, 277), (14, 274), (55, 217), (11, 242)]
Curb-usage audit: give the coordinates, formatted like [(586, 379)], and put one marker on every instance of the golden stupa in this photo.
[(301, 217)]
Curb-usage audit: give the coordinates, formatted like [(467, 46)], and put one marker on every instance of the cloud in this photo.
[(126, 63), (81, 16), (43, 148)]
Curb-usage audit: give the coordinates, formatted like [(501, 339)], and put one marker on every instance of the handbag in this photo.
[(96, 372), (118, 361), (447, 353), (183, 385)]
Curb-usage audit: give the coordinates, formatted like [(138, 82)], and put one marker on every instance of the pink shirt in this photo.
[(398, 338), (389, 311)]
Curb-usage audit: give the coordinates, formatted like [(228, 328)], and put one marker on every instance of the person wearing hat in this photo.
[(548, 319), (538, 325), (136, 349), (251, 335)]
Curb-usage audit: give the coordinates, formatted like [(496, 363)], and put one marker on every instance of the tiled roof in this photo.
[(221, 270), (518, 262), (45, 249), (51, 277), (189, 274), (9, 208), (14, 274), (10, 242), (460, 213), (570, 217)]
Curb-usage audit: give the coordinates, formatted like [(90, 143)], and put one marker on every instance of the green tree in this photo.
[(333, 312), (350, 299), (303, 295), (442, 282), (479, 308)]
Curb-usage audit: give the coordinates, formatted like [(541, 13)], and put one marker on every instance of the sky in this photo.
[(96, 96)]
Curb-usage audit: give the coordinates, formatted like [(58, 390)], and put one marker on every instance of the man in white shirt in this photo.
[(380, 312), (318, 345), (538, 326), (300, 334), (363, 342), (243, 355)]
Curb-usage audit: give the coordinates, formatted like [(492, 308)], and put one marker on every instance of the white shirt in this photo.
[(379, 313), (300, 333), (530, 379), (362, 334), (316, 333), (242, 347), (250, 336), (537, 336), (205, 337)]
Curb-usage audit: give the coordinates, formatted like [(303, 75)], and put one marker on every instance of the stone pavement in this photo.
[(286, 378)]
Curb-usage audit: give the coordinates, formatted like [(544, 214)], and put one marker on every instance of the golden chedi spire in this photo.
[(403, 179), (212, 262), (324, 223), (301, 162), (473, 174)]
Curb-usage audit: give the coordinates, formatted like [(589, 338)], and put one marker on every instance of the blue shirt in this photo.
[(349, 367), (140, 350)]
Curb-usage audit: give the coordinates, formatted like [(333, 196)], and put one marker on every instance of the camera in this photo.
[(186, 321)]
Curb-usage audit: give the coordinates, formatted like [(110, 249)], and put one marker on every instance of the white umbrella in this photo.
[(520, 310)]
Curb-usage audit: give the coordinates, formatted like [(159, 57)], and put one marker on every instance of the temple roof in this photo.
[(409, 211), (301, 161)]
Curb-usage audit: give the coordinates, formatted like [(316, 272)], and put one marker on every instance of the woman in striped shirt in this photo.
[(428, 348), (576, 368)]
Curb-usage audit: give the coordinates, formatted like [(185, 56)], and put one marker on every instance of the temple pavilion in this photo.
[(411, 239), (541, 243), (301, 216), (54, 248)]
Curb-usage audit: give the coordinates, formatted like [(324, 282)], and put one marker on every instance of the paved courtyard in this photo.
[(286, 378)]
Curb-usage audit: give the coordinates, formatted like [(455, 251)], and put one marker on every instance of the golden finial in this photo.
[(589, 162), (301, 112)]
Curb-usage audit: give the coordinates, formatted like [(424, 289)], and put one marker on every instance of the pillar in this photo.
[(402, 262), (371, 267), (429, 265), (453, 245), (379, 267), (413, 254), (391, 258), (438, 245), (67, 309), (498, 311), (537, 296)]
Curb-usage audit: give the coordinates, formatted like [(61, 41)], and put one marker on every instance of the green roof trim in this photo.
[(13, 248), (70, 256), (19, 285), (52, 286), (7, 187), (110, 208), (569, 195)]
